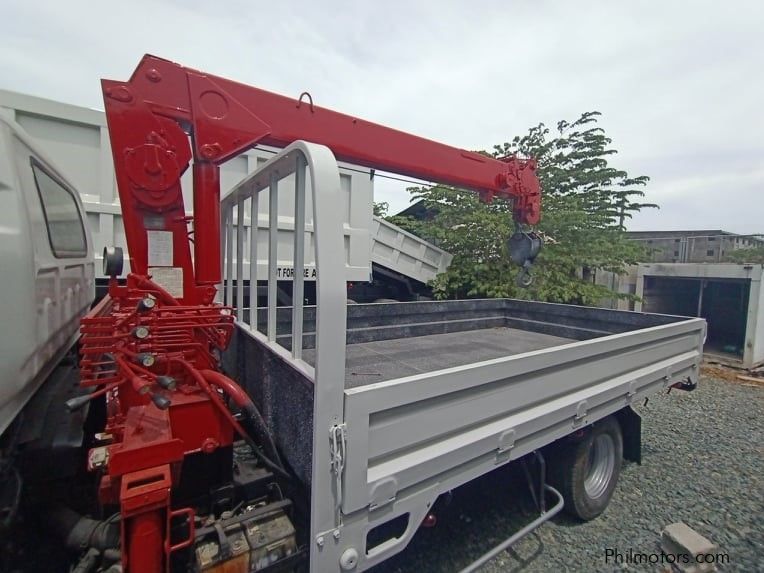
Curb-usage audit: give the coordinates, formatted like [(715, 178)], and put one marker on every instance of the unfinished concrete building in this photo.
[(693, 246), (685, 275)]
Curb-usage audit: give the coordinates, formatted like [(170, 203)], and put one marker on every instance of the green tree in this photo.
[(380, 209), (585, 204), (747, 255)]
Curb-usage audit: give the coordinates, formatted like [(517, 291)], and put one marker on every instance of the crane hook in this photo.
[(523, 248), (524, 277)]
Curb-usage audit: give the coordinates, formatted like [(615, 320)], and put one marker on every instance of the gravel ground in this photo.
[(702, 463)]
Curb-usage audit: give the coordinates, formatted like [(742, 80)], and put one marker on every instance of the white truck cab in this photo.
[(47, 266)]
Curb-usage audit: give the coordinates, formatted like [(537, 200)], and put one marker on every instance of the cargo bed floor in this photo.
[(370, 362)]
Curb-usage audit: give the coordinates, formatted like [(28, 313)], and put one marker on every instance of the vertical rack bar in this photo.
[(299, 256), (229, 256), (273, 243), (240, 260), (220, 294), (253, 261)]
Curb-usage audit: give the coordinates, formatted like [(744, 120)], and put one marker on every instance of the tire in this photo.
[(585, 470)]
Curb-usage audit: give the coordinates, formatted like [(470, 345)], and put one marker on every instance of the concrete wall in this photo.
[(625, 284), (757, 340), (753, 353)]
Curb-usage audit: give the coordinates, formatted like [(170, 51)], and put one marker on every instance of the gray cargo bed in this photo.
[(381, 408), (395, 351), (370, 362)]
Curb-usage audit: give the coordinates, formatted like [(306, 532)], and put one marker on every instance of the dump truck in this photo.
[(188, 428), (383, 261)]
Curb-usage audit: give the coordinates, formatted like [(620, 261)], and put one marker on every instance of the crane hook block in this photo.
[(523, 249)]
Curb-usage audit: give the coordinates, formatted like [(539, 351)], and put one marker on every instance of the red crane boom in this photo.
[(149, 118)]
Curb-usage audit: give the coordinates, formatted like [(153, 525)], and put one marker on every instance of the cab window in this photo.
[(66, 231)]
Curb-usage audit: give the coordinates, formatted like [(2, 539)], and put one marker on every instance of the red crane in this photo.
[(154, 354), (151, 116)]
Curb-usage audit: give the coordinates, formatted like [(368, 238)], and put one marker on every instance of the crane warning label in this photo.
[(160, 248), (169, 278)]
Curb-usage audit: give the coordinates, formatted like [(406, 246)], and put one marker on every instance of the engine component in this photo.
[(82, 532)]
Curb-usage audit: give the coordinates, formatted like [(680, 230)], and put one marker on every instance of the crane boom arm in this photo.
[(149, 118)]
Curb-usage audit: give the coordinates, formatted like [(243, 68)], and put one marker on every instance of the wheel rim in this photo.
[(600, 466)]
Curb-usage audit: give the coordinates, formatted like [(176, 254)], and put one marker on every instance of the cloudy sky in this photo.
[(680, 84)]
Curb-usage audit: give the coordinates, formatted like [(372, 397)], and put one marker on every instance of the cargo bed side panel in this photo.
[(412, 432)]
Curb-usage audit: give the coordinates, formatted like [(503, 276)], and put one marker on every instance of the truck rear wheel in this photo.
[(586, 469)]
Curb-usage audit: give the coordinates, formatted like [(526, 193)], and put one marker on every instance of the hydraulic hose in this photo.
[(147, 284), (237, 394), (88, 562), (204, 385), (83, 532), (243, 401)]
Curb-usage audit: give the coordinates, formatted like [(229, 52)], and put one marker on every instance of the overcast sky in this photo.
[(680, 84)]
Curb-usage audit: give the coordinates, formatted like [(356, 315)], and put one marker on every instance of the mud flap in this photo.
[(631, 429)]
